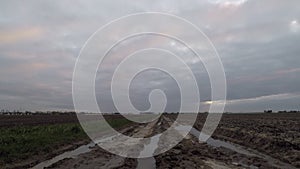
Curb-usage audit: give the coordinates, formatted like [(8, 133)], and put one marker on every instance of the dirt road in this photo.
[(189, 153)]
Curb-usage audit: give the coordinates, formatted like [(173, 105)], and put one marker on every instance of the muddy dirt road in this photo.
[(189, 153)]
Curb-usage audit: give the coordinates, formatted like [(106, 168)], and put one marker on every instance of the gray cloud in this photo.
[(258, 42)]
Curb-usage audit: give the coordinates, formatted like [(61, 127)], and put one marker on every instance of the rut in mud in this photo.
[(190, 152)]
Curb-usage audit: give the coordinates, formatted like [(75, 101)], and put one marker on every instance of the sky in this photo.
[(257, 41)]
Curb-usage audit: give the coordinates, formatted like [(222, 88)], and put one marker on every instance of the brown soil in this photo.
[(276, 135)]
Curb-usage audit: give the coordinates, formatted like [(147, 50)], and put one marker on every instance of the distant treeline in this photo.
[(282, 111), (4, 112), (7, 112), (292, 111)]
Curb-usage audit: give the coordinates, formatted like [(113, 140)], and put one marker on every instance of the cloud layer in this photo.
[(258, 42)]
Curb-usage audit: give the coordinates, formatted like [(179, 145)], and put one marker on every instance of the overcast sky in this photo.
[(258, 42)]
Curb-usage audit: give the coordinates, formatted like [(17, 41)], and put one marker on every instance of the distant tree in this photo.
[(28, 112), (268, 111), (282, 111)]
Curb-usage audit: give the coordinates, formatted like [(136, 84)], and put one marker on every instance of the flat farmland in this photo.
[(26, 140), (253, 140), (274, 134), (39, 119)]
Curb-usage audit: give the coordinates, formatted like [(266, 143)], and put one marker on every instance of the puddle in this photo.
[(146, 163), (218, 143), (70, 154), (149, 149), (236, 148)]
